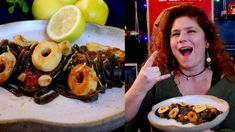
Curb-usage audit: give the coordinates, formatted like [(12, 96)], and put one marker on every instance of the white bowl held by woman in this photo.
[(172, 125)]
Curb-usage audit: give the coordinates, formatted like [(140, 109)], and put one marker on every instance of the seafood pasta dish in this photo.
[(44, 70), (186, 113)]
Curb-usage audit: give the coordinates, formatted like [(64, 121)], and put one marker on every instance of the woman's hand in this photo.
[(148, 76)]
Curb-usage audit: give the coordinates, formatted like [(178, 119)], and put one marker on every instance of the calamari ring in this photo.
[(173, 113), (82, 80), (46, 56), (192, 117), (7, 63)]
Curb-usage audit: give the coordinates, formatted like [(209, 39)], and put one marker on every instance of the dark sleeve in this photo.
[(226, 91), (140, 121), (228, 124)]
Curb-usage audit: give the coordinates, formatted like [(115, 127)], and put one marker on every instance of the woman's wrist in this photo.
[(138, 88)]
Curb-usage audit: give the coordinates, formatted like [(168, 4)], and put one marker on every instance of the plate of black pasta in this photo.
[(188, 113), (45, 93)]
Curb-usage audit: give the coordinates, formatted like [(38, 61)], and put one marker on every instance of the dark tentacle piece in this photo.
[(13, 90), (61, 89), (43, 96)]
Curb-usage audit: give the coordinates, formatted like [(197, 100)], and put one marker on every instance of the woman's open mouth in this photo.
[(186, 51)]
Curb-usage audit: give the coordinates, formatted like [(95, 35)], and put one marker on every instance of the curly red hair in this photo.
[(160, 40)]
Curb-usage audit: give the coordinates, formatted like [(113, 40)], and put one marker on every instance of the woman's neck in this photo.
[(199, 84), (192, 71), (192, 75)]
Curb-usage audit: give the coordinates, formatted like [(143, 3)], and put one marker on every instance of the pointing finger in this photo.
[(150, 60)]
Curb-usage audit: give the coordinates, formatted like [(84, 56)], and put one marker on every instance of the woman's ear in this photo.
[(207, 45)]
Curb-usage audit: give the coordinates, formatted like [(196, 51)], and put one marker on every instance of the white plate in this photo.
[(64, 111), (173, 125)]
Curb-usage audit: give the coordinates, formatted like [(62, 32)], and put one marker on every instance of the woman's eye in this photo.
[(191, 31), (175, 34)]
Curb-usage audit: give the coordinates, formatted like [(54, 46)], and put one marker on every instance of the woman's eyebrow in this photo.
[(175, 30), (191, 27), (186, 28)]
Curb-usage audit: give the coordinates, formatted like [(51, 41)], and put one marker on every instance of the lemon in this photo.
[(95, 11), (66, 24), (44, 9), (68, 2)]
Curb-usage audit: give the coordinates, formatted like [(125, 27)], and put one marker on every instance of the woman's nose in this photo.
[(182, 38), (182, 41)]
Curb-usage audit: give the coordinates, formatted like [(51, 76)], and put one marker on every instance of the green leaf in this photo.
[(10, 1), (25, 7), (11, 9), (20, 2)]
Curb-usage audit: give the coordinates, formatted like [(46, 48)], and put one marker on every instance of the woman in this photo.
[(187, 45)]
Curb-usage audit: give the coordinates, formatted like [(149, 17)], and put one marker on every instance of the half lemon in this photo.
[(66, 24)]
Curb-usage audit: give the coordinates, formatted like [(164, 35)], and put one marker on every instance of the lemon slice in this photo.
[(66, 24)]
